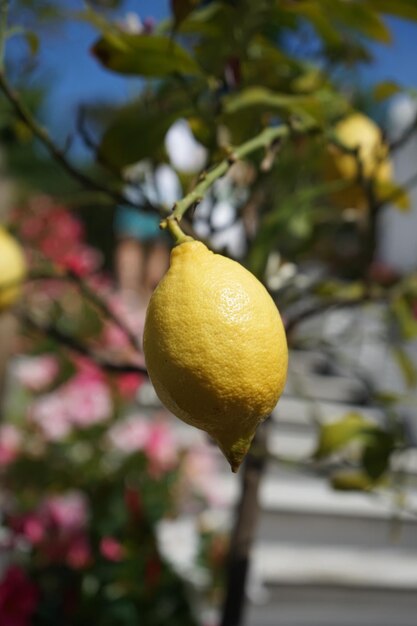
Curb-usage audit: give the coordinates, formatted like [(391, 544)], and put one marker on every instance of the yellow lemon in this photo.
[(359, 131), (12, 269), (215, 347)]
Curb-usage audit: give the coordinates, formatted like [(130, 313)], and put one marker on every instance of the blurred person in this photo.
[(142, 251)]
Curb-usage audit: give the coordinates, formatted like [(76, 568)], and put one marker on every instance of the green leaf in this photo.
[(182, 8), (313, 12), (138, 130), (321, 105), (337, 435), (259, 96), (331, 18), (340, 290), (351, 480), (404, 317), (359, 18), (208, 21), (389, 191), (377, 453), (386, 89), (144, 55), (32, 40), (408, 369), (401, 8)]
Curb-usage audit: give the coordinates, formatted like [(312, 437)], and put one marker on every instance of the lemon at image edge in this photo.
[(215, 347), (12, 269)]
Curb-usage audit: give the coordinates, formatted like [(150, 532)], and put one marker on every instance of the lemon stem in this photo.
[(171, 224)]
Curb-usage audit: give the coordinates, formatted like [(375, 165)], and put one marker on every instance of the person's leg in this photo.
[(130, 266), (156, 265)]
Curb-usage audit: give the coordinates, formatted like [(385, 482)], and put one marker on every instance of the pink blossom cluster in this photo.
[(83, 401), (133, 318), (57, 529), (36, 373), (153, 437), (10, 444), (53, 230), (200, 471)]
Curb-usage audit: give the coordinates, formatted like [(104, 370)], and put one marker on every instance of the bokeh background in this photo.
[(111, 510)]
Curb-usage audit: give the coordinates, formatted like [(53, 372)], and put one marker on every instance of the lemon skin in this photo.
[(12, 270), (215, 347)]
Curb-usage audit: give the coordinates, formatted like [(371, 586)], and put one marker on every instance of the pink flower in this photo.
[(84, 401), (128, 384), (161, 448), (67, 512), (57, 529), (33, 528), (111, 549), (82, 260), (78, 553), (200, 469), (88, 368), (36, 373), (155, 438), (19, 598), (10, 444), (51, 415), (130, 435), (88, 400), (133, 318)]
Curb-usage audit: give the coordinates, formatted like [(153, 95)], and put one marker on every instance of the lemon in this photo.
[(215, 347), (359, 131), (12, 269)]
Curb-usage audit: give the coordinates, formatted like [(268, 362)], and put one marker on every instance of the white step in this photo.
[(315, 496), (334, 566), (292, 605), (329, 388), (303, 412)]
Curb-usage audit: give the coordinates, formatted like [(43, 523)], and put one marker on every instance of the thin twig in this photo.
[(397, 193), (94, 298), (321, 307), (75, 345), (404, 137), (243, 534), (94, 148), (59, 155), (266, 138)]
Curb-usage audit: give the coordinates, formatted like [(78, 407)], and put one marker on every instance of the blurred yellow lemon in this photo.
[(12, 269), (215, 347), (359, 131)]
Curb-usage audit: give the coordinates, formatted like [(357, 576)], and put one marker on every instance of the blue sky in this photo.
[(74, 76), (397, 61)]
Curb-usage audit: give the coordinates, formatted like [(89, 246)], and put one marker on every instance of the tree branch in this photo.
[(95, 299), (321, 307), (75, 345), (244, 529), (266, 138), (397, 193), (404, 137), (59, 155)]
